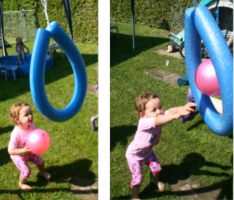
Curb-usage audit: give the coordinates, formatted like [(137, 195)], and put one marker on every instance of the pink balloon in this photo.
[(206, 79), (38, 141)]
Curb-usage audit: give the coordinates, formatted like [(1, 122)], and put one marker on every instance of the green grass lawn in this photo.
[(73, 152), (188, 150)]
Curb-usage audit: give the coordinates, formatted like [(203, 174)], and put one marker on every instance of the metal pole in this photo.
[(23, 14), (133, 28), (4, 51), (68, 13)]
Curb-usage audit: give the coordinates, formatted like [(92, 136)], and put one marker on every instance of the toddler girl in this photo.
[(21, 115), (20, 48), (152, 117)]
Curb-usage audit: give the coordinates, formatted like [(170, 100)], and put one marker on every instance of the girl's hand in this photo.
[(189, 107), (186, 109), (20, 151), (26, 149), (183, 113)]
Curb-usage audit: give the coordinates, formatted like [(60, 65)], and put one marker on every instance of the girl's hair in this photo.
[(142, 100), (15, 109)]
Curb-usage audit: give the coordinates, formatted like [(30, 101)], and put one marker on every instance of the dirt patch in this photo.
[(92, 90), (175, 54), (190, 189), (85, 189), (96, 67), (163, 75)]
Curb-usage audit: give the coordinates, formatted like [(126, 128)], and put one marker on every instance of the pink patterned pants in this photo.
[(135, 167), (22, 164)]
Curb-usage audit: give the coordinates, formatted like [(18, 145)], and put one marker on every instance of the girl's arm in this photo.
[(20, 151), (187, 107), (174, 113), (163, 119), (23, 44)]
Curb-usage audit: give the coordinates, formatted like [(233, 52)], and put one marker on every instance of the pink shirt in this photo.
[(147, 135), (18, 140)]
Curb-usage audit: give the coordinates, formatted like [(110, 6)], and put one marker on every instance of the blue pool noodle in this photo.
[(37, 71)]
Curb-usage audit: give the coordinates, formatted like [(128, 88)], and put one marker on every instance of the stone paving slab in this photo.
[(163, 75), (87, 192), (92, 90), (190, 190)]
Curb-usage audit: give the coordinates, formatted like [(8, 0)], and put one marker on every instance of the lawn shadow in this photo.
[(231, 136), (195, 125), (200, 122), (4, 156), (120, 134), (122, 49), (6, 129), (76, 173), (191, 165), (19, 192), (7, 45), (61, 69)]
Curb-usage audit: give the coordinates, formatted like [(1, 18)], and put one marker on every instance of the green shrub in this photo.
[(84, 16), (147, 12)]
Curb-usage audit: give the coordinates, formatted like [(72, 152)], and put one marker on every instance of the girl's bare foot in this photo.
[(135, 199), (159, 184), (25, 187), (46, 175)]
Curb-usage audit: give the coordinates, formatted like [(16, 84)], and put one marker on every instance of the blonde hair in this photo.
[(142, 100), (15, 109)]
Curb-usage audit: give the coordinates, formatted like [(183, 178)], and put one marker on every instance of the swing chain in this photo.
[(194, 3), (44, 3)]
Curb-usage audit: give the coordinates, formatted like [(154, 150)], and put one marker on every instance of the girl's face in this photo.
[(18, 40), (25, 118), (153, 108)]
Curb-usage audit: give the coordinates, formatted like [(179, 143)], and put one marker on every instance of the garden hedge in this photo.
[(147, 12)]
